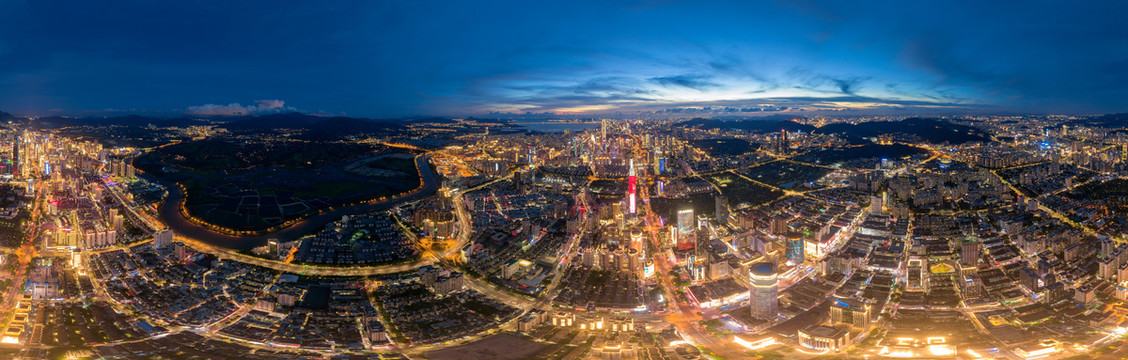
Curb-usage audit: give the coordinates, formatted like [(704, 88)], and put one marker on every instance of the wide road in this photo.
[(303, 269), (170, 213)]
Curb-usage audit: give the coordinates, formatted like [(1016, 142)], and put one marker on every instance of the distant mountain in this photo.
[(317, 128), (784, 117), (500, 121), (1112, 121), (293, 120), (341, 127), (138, 120), (931, 130), (764, 124), (430, 120), (52, 122)]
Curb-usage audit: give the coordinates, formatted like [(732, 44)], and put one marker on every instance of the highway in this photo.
[(229, 254)]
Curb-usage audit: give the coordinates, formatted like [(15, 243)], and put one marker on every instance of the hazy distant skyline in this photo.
[(406, 58)]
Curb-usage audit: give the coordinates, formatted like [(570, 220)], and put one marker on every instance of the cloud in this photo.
[(270, 104), (261, 107), (696, 82), (568, 103), (618, 84), (847, 86), (809, 79), (734, 65)]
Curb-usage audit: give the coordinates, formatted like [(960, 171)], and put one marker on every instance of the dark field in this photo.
[(1114, 188), (741, 192), (915, 129), (259, 185), (725, 147), (786, 174), (854, 154), (701, 204)]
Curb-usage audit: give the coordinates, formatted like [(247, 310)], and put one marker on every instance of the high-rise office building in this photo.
[(687, 230), (969, 253), (795, 247), (855, 313), (274, 247), (685, 220), (603, 129), (763, 291), (16, 157)]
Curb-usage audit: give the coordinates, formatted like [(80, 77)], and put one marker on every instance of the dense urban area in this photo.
[(288, 236)]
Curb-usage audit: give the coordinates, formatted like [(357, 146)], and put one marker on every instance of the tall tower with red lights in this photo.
[(631, 186)]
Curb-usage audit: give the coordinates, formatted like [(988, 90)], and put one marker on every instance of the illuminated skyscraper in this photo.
[(763, 291), (687, 231), (603, 128), (685, 220), (969, 253), (631, 186), (16, 157), (795, 248), (855, 313)]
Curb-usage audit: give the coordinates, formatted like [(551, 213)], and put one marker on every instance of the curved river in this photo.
[(169, 211)]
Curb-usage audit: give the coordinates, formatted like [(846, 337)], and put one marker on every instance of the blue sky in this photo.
[(405, 58)]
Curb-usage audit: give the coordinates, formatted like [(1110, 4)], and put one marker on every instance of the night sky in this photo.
[(405, 58)]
